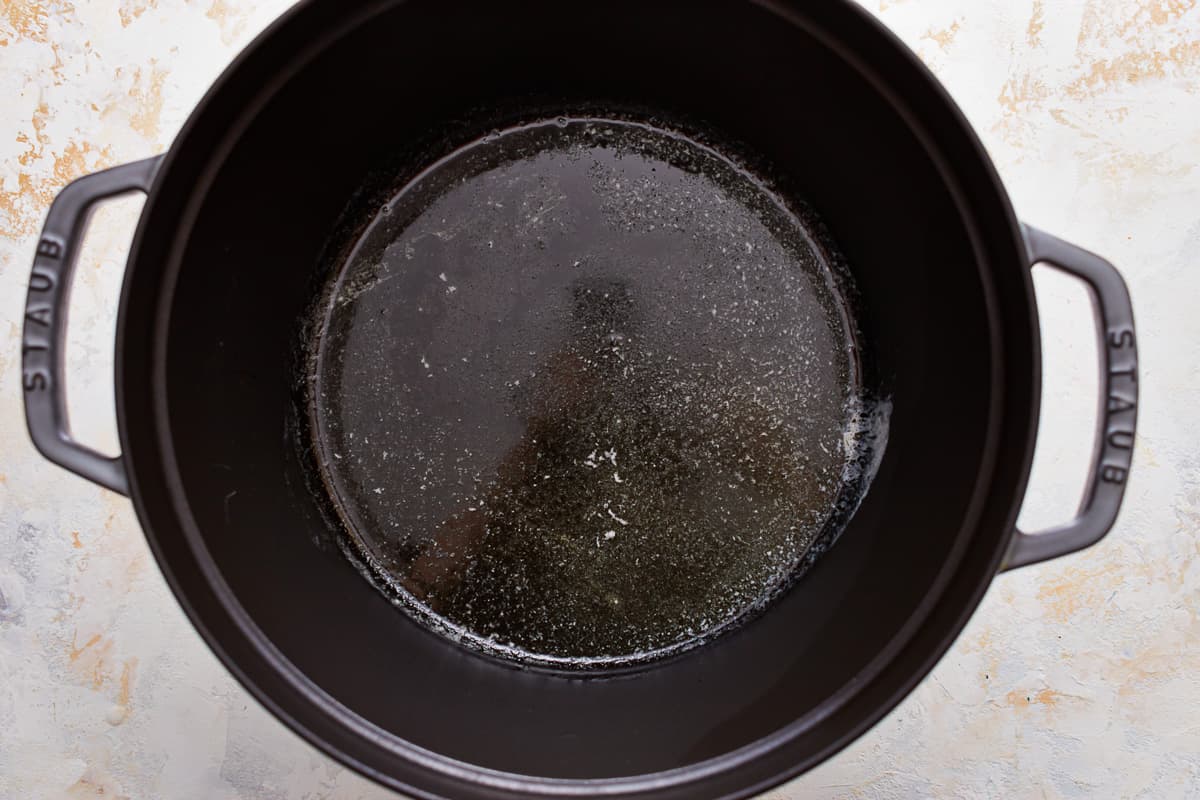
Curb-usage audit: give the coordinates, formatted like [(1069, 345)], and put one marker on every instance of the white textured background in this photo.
[(1079, 678)]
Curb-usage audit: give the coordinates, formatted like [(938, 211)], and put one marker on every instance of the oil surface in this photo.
[(582, 393)]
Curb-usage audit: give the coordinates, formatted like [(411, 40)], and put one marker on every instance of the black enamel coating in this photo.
[(225, 267)]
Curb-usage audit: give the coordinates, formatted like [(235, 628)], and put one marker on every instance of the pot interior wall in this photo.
[(252, 266)]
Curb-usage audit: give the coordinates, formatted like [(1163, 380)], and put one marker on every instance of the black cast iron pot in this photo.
[(228, 259)]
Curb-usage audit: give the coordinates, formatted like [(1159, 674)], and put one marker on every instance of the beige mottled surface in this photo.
[(1075, 679)]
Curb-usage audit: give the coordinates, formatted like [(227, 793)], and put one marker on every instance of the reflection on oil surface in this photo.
[(582, 393)]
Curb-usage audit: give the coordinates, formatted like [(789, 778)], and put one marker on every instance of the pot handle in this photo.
[(1117, 416), (45, 326)]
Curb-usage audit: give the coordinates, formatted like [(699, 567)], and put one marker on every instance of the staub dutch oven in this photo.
[(493, 380)]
